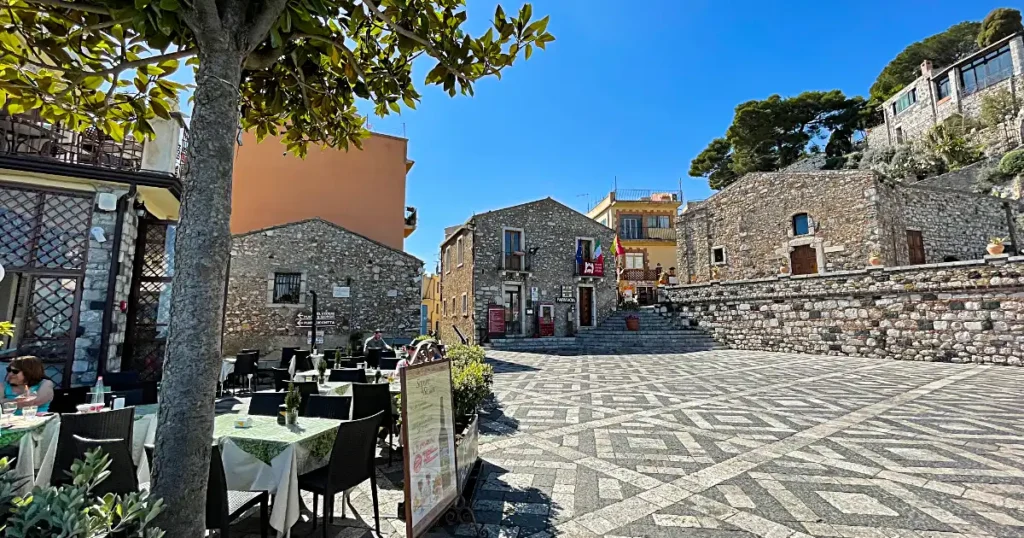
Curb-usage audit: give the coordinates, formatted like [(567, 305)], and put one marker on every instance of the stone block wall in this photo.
[(752, 219), (964, 311), (456, 280), (383, 286)]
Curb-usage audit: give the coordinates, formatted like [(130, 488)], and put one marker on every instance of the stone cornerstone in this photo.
[(969, 311), (361, 285)]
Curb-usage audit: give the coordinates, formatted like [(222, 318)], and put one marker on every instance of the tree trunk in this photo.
[(202, 250)]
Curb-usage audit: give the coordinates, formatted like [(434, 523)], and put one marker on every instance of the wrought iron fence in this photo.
[(640, 275)]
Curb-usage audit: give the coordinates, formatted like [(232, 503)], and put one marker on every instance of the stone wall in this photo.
[(969, 311), (457, 280), (953, 224), (383, 287), (752, 219), (551, 228)]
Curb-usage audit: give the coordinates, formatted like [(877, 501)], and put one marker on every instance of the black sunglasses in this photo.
[(13, 370)]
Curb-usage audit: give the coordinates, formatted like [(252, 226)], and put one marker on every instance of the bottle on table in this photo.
[(97, 394)]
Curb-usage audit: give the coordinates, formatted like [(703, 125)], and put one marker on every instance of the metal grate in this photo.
[(287, 288), (158, 259), (43, 230), (49, 322), (146, 342)]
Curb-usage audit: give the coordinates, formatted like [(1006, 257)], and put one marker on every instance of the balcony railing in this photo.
[(655, 234), (516, 262), (28, 135), (644, 195), (640, 275)]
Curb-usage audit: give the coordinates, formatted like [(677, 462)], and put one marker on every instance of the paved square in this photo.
[(733, 443)]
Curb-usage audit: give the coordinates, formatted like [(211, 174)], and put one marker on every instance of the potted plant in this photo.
[(875, 258), (716, 273), (996, 245), (784, 269), (292, 401), (471, 386), (321, 369), (632, 320)]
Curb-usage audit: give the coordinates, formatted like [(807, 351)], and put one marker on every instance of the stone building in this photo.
[(361, 285), (86, 244), (958, 88), (827, 221), (521, 262)]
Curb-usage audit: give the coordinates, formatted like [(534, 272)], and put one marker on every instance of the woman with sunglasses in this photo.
[(26, 384)]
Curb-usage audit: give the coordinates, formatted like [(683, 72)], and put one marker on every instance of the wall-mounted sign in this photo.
[(565, 299), (568, 292), (323, 319), (319, 337), (591, 269), (342, 291), (495, 320), (535, 293)]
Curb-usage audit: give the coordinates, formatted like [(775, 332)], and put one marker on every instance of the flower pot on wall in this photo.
[(875, 261), (995, 249), (633, 323)]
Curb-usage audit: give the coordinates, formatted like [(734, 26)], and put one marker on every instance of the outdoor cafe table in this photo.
[(36, 439), (270, 457)]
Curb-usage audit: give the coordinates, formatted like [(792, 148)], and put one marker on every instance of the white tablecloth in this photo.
[(227, 367)]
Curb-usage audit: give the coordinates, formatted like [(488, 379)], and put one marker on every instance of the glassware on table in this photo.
[(9, 409), (29, 411)]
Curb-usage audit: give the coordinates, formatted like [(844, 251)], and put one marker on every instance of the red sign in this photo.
[(591, 268), (495, 319)]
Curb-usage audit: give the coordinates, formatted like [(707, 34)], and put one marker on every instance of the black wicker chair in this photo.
[(266, 404), (286, 356), (68, 400), (389, 363), (352, 375), (115, 424), (351, 464), (224, 506), (336, 407), (368, 399), (122, 479)]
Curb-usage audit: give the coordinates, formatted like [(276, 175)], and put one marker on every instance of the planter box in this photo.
[(633, 324), (467, 450)]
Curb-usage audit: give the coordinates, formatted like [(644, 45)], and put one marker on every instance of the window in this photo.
[(585, 247), (447, 263), (445, 305), (460, 256), (987, 70), (942, 89), (801, 224), (603, 220), (287, 288), (513, 246), (718, 256), (631, 227), (905, 101), (658, 221), (465, 304), (899, 135), (634, 260)]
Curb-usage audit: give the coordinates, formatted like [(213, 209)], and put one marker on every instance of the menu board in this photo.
[(428, 440), (495, 320)]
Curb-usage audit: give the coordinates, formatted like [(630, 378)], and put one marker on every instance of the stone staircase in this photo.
[(657, 334)]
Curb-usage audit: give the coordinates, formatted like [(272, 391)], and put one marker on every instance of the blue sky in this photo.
[(635, 93)]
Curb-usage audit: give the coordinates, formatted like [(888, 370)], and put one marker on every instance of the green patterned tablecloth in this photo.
[(22, 427), (266, 439)]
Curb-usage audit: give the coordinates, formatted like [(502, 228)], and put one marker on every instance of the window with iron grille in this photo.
[(287, 288)]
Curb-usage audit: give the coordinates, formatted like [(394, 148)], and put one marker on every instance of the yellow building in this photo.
[(645, 223), (431, 306)]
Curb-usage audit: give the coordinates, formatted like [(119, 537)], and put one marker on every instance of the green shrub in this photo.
[(471, 384), (72, 510), (463, 353), (1012, 164)]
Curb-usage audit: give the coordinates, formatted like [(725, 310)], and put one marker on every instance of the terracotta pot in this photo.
[(996, 250), (632, 324), (784, 270), (875, 260)]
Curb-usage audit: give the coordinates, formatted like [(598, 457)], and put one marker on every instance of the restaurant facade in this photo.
[(538, 269), (88, 246)]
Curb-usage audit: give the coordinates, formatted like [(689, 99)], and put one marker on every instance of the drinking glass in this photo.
[(29, 411), (9, 409)]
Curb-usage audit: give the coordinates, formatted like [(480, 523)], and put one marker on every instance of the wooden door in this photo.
[(915, 244), (804, 260), (586, 307)]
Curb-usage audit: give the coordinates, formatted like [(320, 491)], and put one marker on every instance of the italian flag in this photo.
[(598, 253)]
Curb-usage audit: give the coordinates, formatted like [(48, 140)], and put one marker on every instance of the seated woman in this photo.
[(26, 384)]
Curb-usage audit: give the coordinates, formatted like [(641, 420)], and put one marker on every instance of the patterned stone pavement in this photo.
[(736, 443)]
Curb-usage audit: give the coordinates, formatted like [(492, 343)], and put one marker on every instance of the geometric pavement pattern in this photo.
[(740, 443), (728, 444)]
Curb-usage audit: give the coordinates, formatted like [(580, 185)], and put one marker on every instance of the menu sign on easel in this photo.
[(428, 442)]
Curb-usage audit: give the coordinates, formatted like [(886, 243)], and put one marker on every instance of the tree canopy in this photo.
[(776, 132), (295, 67), (1001, 22), (942, 49)]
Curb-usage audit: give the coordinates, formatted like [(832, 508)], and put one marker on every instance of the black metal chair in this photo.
[(115, 424), (245, 369), (302, 361), (68, 400), (352, 375), (286, 356), (336, 407), (331, 355), (224, 506), (266, 404), (368, 399), (281, 378), (306, 390), (122, 380), (150, 391), (131, 397), (389, 363), (122, 479), (351, 464)]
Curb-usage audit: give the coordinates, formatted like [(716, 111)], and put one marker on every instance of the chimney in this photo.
[(926, 69)]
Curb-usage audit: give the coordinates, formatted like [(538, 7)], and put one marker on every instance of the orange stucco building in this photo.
[(360, 190)]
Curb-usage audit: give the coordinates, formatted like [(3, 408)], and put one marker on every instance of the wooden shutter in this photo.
[(915, 244)]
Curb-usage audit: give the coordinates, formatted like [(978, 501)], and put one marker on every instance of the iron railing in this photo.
[(516, 262), (644, 195), (640, 275), (28, 135), (656, 234)]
